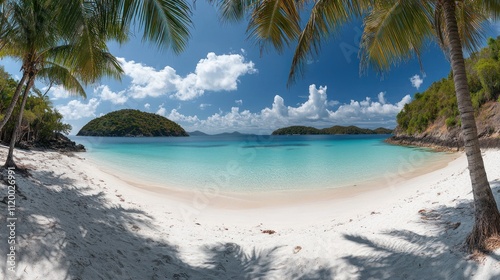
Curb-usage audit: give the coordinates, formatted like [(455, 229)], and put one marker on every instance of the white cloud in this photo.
[(213, 73), (314, 108), (75, 109), (105, 93), (416, 81), (161, 110), (147, 106), (178, 117), (313, 112), (239, 102), (381, 97), (368, 110), (204, 105), (332, 103), (57, 92)]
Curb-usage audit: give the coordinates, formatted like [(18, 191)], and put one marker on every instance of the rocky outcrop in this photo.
[(59, 143), (439, 137)]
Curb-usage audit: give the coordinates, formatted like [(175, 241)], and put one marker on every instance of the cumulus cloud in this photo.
[(147, 106), (57, 92), (213, 73), (368, 110), (75, 109), (161, 110), (239, 102), (106, 93), (314, 108), (178, 117), (416, 81), (314, 111), (381, 98)]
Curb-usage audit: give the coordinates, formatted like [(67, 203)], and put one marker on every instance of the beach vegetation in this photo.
[(393, 32), (41, 121), (64, 42), (439, 100), (50, 53)]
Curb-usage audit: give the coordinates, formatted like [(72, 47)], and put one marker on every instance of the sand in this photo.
[(76, 221)]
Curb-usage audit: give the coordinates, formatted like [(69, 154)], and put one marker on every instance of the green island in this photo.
[(337, 129), (131, 123)]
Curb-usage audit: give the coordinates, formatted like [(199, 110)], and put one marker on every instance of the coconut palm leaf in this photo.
[(491, 8), (62, 76), (395, 31), (275, 22), (165, 22), (324, 21), (89, 65), (233, 10), (471, 20)]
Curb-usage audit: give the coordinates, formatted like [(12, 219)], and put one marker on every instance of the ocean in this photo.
[(259, 163)]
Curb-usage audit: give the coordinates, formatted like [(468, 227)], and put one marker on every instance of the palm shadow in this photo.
[(113, 246), (412, 255)]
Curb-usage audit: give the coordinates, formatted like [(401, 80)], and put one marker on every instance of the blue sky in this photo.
[(221, 82)]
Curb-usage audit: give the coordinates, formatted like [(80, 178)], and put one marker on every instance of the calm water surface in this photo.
[(256, 163)]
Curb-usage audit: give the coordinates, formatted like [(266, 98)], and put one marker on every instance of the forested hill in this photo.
[(130, 123), (432, 118), (307, 130)]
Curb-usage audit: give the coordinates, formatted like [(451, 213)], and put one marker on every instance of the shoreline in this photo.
[(225, 199), (440, 145), (77, 221)]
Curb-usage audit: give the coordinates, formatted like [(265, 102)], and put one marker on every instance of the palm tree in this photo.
[(164, 22), (46, 52), (394, 31)]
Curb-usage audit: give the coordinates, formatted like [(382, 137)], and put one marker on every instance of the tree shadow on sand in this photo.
[(440, 255), (54, 228)]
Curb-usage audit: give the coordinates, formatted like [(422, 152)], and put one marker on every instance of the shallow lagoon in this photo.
[(259, 163)]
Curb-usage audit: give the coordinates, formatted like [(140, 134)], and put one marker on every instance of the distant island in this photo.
[(337, 129), (131, 123)]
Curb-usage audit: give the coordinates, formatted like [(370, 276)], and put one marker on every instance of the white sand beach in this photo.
[(75, 221)]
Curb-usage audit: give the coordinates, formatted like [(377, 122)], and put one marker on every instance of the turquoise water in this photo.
[(256, 163)]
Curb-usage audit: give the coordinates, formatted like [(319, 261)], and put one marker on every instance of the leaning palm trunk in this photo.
[(487, 217), (13, 103), (10, 156)]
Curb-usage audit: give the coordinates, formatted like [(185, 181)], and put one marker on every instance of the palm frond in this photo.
[(471, 20), (490, 8), (395, 31), (233, 10), (58, 75), (165, 22), (325, 19), (275, 22), (88, 66)]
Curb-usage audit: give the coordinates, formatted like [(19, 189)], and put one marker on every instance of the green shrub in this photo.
[(451, 122), (478, 99)]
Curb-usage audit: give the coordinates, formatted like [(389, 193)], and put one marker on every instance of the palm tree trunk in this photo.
[(13, 103), (487, 217), (10, 156)]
